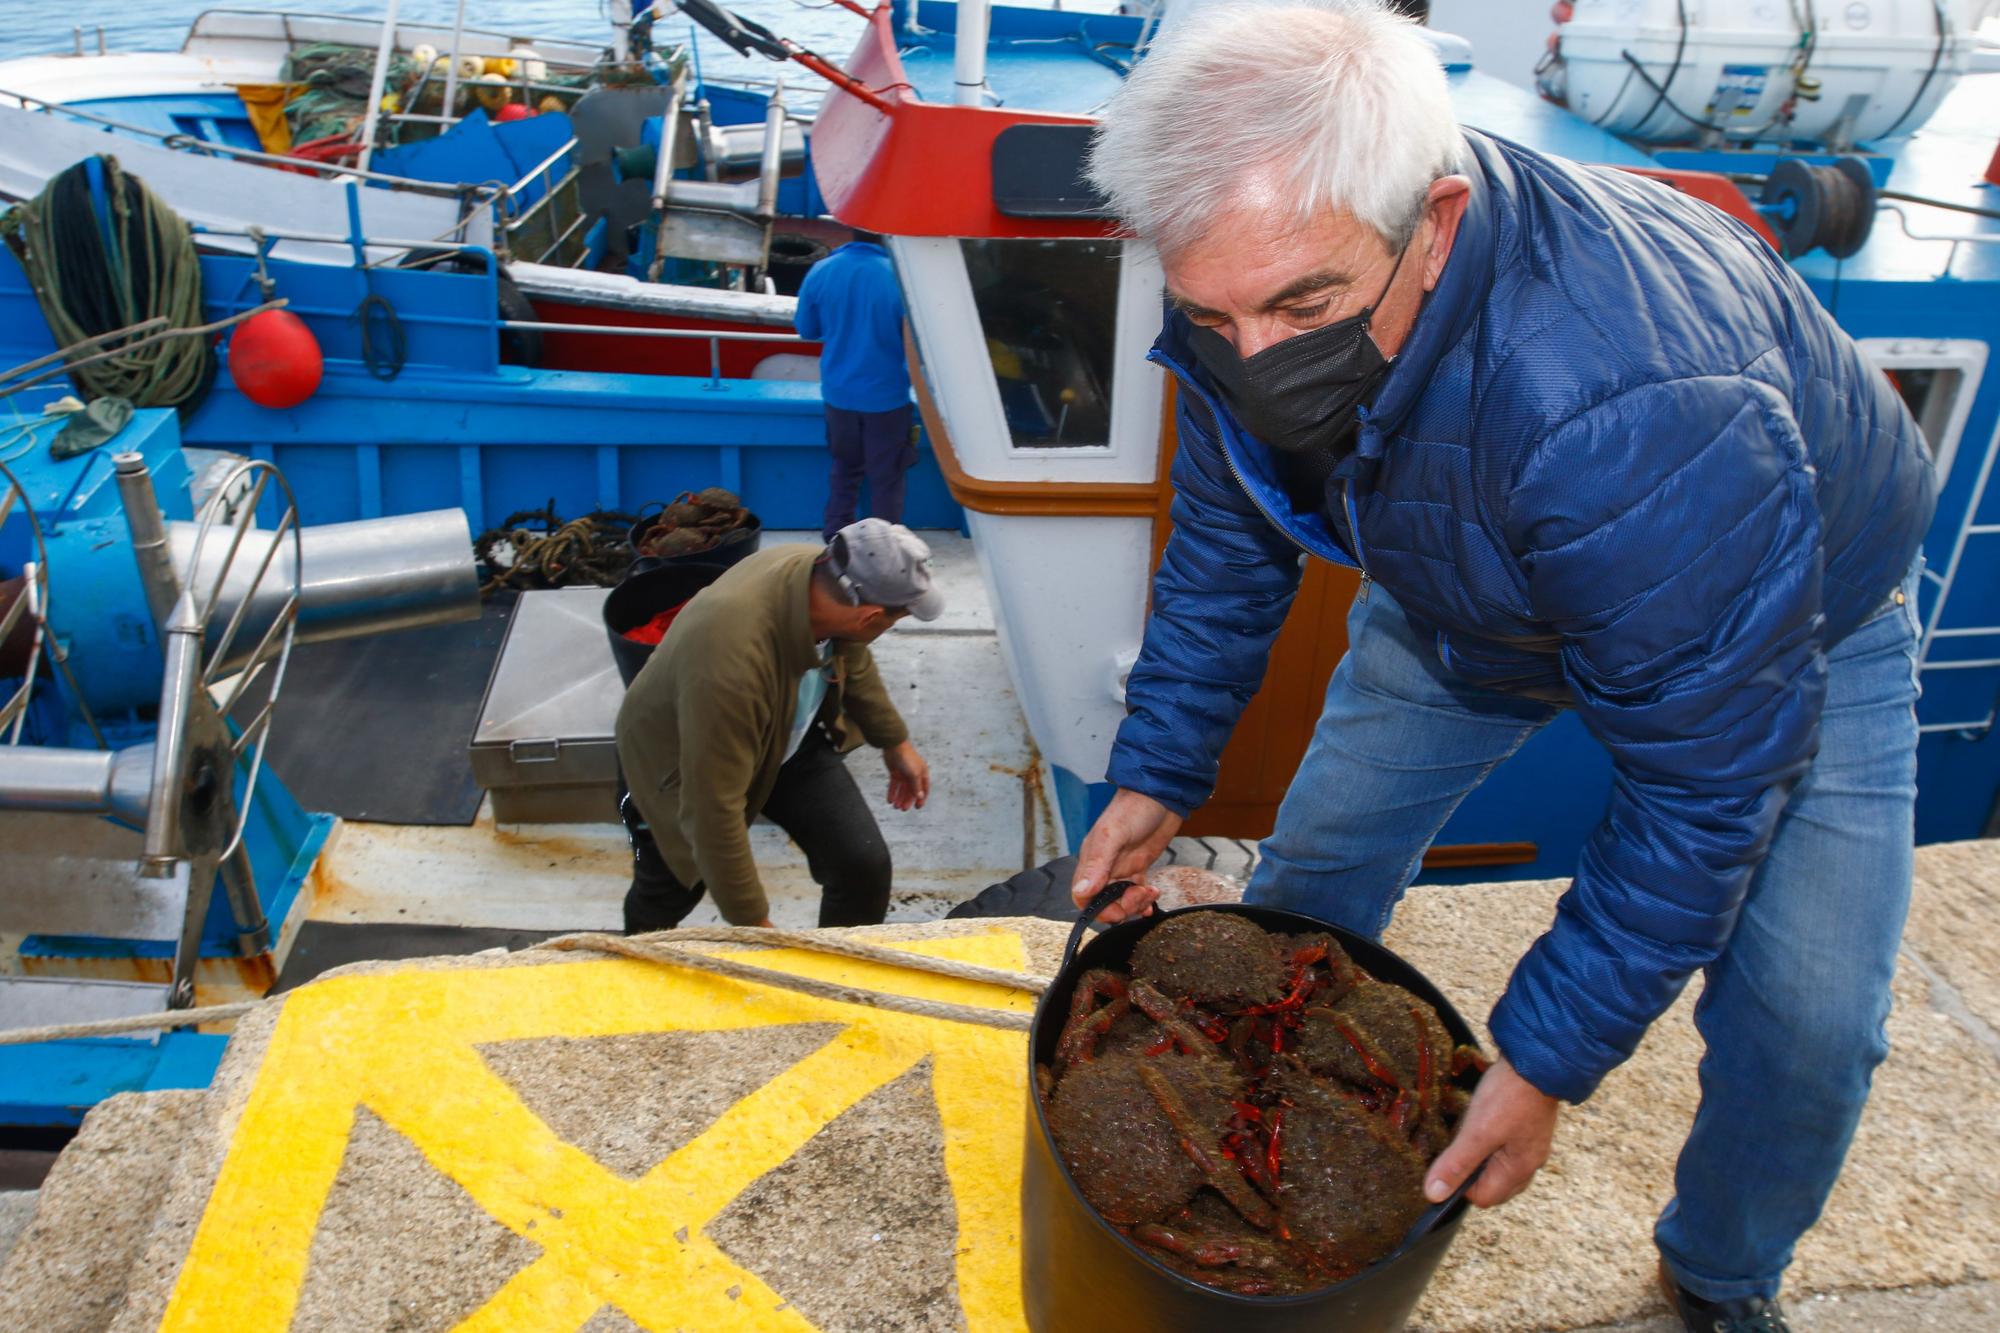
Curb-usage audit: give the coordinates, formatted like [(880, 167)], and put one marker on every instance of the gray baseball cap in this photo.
[(885, 564)]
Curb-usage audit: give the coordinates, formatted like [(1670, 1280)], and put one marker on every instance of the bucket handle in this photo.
[(1428, 1219), (1106, 896)]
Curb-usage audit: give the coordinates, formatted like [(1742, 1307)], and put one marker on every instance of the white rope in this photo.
[(111, 1027), (653, 949), (825, 990), (846, 946)]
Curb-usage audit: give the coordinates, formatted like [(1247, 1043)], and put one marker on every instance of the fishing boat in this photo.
[(1031, 321), (542, 148), (960, 141)]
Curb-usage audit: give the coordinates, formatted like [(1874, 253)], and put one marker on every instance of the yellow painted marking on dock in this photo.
[(404, 1045)]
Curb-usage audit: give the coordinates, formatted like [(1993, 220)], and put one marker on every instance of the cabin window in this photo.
[(1048, 310), (1930, 392), (1937, 379)]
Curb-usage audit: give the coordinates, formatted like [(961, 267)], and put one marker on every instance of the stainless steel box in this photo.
[(543, 746)]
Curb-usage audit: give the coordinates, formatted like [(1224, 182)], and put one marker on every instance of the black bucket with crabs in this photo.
[(1233, 1111)]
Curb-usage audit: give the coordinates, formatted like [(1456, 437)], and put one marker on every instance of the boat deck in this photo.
[(987, 816)]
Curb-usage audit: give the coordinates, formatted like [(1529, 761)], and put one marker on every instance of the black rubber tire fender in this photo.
[(1042, 891), (518, 347)]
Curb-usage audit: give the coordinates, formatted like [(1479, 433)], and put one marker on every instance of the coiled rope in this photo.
[(105, 253), (654, 949), (593, 550)]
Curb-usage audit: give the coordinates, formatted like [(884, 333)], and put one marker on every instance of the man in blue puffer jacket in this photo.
[(1593, 446)]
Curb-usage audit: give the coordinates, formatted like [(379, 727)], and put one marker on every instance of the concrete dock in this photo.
[(541, 1140)]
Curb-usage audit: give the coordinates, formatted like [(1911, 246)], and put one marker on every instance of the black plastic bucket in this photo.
[(735, 544), (653, 586), (1078, 1272)]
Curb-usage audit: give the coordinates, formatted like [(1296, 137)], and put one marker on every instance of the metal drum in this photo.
[(1078, 1272)]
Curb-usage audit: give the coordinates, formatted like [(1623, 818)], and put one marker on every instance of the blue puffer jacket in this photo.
[(1624, 461)]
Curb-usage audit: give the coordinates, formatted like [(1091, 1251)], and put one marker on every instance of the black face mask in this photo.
[(1299, 395)]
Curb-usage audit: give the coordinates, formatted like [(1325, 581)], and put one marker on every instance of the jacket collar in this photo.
[(1447, 312)]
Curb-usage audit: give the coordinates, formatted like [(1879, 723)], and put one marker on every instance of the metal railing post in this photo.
[(663, 171), (376, 81), (451, 72)]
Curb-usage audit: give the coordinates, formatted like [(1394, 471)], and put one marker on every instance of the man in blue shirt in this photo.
[(852, 303)]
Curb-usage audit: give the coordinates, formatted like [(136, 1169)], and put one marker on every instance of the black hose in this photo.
[(1660, 89), (1937, 57), (383, 363)]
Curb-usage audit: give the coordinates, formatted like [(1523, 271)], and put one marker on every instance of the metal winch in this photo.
[(153, 635)]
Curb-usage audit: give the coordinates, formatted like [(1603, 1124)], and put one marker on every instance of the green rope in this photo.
[(95, 273)]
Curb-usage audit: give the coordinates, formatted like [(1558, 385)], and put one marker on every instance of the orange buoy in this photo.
[(275, 360)]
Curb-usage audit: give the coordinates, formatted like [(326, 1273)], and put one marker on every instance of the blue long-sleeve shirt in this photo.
[(850, 301)]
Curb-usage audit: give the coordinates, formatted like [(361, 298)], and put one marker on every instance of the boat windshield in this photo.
[(1049, 309)]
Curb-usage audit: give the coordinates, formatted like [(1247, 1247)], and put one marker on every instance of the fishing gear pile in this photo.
[(104, 253), (536, 549), (1251, 1108)]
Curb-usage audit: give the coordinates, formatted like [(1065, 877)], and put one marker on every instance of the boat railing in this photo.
[(190, 143), (713, 337), (555, 216), (557, 51), (1954, 238)]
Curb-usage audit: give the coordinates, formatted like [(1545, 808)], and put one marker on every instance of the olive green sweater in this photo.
[(703, 729)]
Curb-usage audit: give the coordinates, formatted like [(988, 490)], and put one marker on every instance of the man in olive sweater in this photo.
[(747, 706)]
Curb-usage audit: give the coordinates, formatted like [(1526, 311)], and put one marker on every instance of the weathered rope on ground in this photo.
[(651, 950), (112, 1027), (825, 990), (845, 946)]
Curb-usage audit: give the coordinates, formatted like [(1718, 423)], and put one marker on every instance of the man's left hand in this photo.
[(1510, 1126), (909, 777)]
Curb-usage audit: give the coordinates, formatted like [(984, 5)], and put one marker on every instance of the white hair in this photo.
[(1331, 103)]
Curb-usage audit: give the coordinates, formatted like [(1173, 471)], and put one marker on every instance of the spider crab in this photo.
[(1252, 1108)]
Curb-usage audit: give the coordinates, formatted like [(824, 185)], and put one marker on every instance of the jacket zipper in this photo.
[(1354, 531), (1251, 495), (1222, 447)]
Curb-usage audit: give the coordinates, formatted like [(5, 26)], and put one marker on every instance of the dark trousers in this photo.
[(875, 445), (816, 802)]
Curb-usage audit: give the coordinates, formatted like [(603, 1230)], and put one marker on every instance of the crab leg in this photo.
[(1205, 1153), (1077, 1040), (1303, 982), (1208, 1251), (1162, 1011), (1372, 1059), (1424, 1088)]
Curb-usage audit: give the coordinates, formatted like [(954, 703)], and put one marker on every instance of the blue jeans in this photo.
[(1791, 1012)]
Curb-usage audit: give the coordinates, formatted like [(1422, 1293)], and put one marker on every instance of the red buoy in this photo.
[(275, 360), (514, 111)]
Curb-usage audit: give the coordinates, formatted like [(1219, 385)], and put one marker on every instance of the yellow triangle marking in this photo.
[(403, 1044)]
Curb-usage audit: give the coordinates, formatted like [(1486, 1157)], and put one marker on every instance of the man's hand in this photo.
[(1509, 1126), (909, 777), (1127, 838)]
